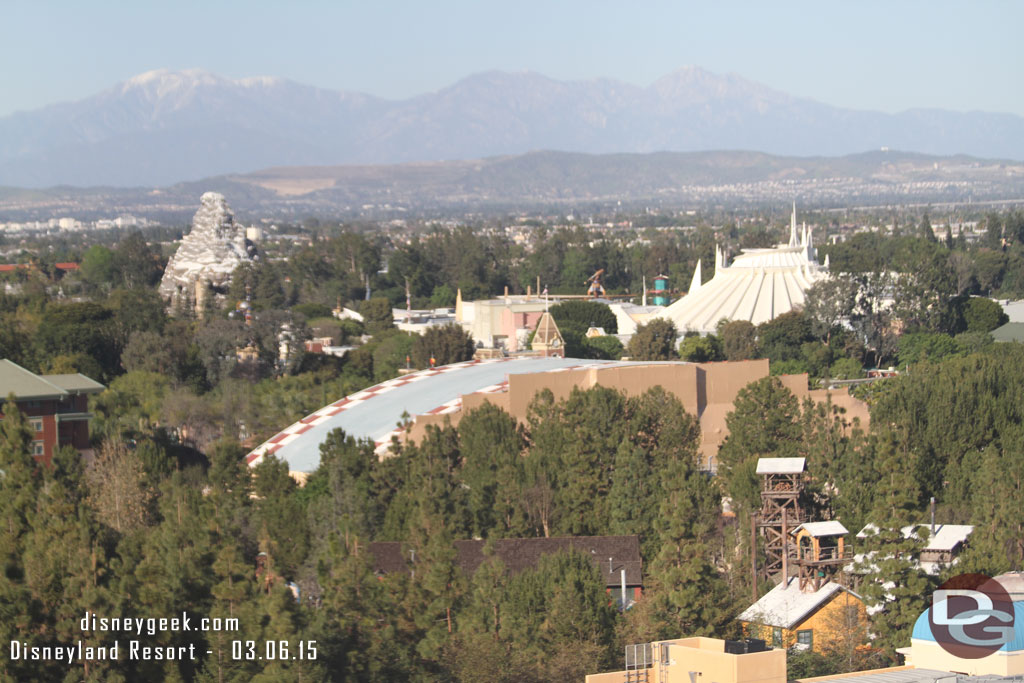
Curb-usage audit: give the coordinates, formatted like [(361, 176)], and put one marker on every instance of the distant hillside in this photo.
[(554, 179), (163, 127)]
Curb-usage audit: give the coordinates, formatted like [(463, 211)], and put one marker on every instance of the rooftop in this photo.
[(26, 385), (374, 413), (946, 537), (786, 605), (780, 465), (819, 529)]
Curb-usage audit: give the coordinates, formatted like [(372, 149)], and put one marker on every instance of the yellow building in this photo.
[(685, 660), (806, 619)]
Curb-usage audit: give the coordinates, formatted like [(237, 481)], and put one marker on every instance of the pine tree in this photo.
[(279, 511), (234, 597), (491, 444), (596, 422), (20, 481), (282, 632), (436, 587), (173, 575), (688, 595), (764, 423), (997, 544), (894, 584)]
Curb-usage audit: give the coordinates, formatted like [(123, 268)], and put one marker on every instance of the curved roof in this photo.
[(374, 413), (755, 293), (923, 631), (758, 286)]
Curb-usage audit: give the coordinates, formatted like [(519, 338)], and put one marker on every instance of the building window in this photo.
[(37, 424), (777, 637), (38, 448), (805, 638)]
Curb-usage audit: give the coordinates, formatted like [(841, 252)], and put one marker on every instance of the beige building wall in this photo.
[(926, 654), (706, 390), (707, 658)]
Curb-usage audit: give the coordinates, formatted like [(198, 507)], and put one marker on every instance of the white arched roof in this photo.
[(374, 413)]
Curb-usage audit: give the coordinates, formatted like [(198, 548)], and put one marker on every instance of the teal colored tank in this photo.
[(662, 295)]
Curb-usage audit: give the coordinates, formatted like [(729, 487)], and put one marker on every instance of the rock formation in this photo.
[(208, 254)]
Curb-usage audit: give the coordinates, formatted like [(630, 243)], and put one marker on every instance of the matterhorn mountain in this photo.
[(208, 254), (165, 126)]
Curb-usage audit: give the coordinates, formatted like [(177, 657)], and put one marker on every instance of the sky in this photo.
[(887, 56)]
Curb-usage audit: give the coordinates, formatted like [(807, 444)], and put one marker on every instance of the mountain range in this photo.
[(163, 127)]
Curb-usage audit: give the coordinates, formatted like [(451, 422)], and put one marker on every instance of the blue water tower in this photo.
[(662, 296)]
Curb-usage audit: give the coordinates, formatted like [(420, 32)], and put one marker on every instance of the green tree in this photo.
[(137, 264), (86, 328), (781, 338), (377, 314), (696, 349), (279, 514), (586, 314), (828, 303), (688, 594), (895, 588), (491, 444), (98, 267), (446, 344), (739, 340), (983, 315), (654, 341), (917, 347), (603, 348), (764, 423)]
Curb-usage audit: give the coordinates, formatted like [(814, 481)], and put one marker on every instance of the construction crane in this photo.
[(596, 288)]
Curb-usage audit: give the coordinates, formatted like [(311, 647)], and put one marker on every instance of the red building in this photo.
[(56, 406)]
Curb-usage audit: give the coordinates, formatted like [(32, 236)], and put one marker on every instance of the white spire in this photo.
[(643, 299), (803, 239), (718, 259), (826, 261), (792, 228), (695, 282)]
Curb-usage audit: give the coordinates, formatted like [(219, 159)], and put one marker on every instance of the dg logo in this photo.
[(971, 616)]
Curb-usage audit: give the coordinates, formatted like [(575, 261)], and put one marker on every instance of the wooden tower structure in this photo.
[(820, 552), (783, 481)]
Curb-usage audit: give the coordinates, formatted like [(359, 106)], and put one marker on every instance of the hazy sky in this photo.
[(888, 56)]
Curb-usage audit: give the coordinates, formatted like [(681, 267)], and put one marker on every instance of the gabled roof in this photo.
[(26, 385), (1009, 332), (780, 465), (75, 383), (547, 332), (946, 537), (820, 529), (524, 553), (789, 606)]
